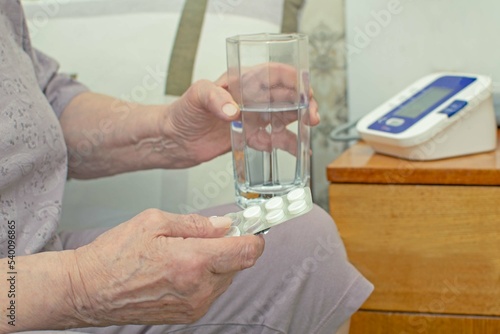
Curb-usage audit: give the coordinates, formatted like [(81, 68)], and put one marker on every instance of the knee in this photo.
[(314, 234), (309, 263)]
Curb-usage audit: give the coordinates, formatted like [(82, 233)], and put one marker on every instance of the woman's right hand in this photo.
[(158, 268)]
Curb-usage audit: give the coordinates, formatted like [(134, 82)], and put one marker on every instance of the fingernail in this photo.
[(220, 222), (229, 109)]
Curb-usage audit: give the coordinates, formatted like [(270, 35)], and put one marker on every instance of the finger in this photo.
[(286, 141), (217, 100), (233, 254), (185, 226), (269, 83), (259, 140), (222, 81), (285, 96), (196, 226), (314, 117)]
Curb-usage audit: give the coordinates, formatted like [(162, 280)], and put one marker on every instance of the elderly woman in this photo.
[(157, 272)]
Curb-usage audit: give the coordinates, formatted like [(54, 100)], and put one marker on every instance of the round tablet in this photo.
[(233, 232), (296, 195), (297, 207), (252, 212), (274, 203), (275, 216)]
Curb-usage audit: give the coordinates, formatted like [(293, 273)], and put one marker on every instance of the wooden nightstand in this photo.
[(426, 234)]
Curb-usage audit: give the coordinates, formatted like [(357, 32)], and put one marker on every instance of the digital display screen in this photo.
[(423, 102)]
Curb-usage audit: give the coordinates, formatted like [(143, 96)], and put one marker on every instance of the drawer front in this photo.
[(429, 249), (367, 322)]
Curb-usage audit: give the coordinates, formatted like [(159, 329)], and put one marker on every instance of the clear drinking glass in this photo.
[(268, 76)]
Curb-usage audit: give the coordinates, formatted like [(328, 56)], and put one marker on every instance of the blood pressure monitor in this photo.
[(439, 116)]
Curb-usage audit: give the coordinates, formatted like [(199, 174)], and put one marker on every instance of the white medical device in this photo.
[(440, 116)]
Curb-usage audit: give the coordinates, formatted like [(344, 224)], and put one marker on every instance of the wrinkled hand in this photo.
[(158, 268), (200, 119)]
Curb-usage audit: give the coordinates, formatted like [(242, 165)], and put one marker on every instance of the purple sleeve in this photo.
[(59, 88)]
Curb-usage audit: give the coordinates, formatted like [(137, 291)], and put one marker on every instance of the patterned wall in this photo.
[(323, 21)]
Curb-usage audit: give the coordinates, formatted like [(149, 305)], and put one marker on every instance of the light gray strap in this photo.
[(289, 22), (180, 69)]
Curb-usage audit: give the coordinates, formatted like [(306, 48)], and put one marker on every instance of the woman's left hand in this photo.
[(199, 121)]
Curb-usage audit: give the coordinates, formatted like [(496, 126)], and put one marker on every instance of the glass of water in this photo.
[(268, 76)]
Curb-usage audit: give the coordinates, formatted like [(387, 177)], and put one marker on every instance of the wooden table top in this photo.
[(360, 164)]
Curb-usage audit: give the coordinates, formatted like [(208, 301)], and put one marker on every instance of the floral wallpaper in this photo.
[(323, 21)]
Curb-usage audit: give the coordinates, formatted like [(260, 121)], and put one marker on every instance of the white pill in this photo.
[(275, 216), (252, 212), (296, 194), (274, 203), (297, 207), (233, 232)]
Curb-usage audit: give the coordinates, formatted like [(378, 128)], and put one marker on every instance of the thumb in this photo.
[(217, 100), (195, 226)]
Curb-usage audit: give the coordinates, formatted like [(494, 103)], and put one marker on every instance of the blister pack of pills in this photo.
[(274, 211)]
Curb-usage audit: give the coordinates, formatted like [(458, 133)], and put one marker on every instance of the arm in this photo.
[(157, 268), (106, 136), (38, 294)]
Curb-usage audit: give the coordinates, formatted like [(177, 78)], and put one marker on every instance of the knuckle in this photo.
[(197, 223), (202, 83), (249, 254), (202, 88), (152, 214), (197, 86), (193, 92), (211, 98), (148, 217)]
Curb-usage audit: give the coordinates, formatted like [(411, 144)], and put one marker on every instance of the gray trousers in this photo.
[(303, 283)]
